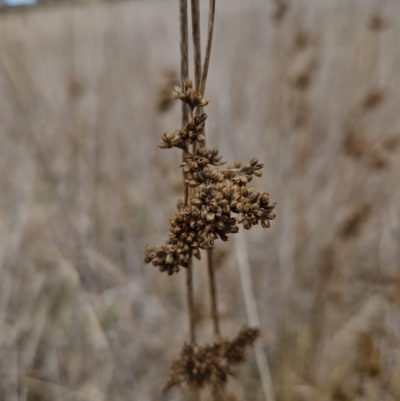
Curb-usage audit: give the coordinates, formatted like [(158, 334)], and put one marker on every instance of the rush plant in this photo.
[(217, 202)]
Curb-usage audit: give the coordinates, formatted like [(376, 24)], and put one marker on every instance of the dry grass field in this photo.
[(311, 90)]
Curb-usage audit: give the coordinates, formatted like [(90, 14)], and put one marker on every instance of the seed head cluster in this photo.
[(211, 363), (218, 200), (189, 96), (191, 132)]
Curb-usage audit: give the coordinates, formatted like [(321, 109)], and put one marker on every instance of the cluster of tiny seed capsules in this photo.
[(219, 200), (191, 132), (211, 363)]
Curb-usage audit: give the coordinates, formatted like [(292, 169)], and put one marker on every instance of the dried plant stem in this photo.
[(184, 52), (211, 16), (190, 302), (213, 292), (183, 13), (252, 313), (200, 81), (196, 42), (213, 208)]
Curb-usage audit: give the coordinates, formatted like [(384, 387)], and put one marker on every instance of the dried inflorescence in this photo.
[(189, 96), (235, 350), (212, 363), (191, 132), (218, 200)]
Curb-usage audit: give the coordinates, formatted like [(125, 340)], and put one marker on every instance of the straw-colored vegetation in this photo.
[(309, 88)]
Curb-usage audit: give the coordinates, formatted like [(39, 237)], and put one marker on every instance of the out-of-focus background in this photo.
[(310, 87)]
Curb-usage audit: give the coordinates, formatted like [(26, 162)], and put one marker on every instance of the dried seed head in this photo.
[(189, 95), (264, 198), (211, 363), (218, 202), (188, 84), (265, 223), (235, 351), (271, 215)]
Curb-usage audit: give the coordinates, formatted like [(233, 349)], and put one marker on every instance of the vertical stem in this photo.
[(190, 302), (184, 52), (213, 292), (252, 313), (211, 16), (196, 42), (185, 117), (200, 82), (184, 67)]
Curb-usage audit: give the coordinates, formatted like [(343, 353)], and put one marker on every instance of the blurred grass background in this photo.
[(310, 89)]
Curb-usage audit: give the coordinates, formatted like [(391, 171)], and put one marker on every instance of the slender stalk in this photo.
[(252, 313), (196, 42), (213, 292), (211, 17), (184, 52), (200, 82), (190, 302), (183, 18)]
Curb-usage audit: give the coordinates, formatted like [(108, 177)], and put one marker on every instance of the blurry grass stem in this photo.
[(252, 313)]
